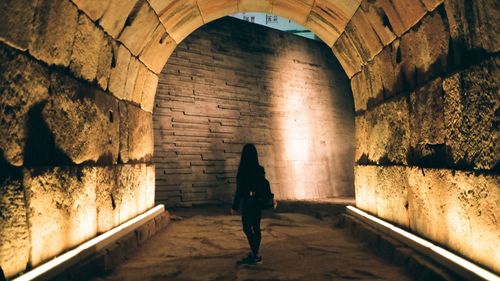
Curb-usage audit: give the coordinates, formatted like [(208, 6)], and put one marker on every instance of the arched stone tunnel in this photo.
[(78, 84)]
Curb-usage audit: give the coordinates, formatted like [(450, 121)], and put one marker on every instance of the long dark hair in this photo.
[(249, 162)]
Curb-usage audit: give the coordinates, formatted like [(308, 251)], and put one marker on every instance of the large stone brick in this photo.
[(82, 121), (141, 23), (378, 21), (136, 134), (424, 51), (132, 193), (427, 125), (363, 36), (383, 191), (93, 8), (131, 81), (180, 18), (379, 79), (365, 188), (474, 25), (89, 41), (108, 197), (61, 210), (17, 22), (119, 71), (158, 50), (149, 91), (402, 14), (345, 51), (213, 9), (471, 106), (104, 63), (387, 133), (391, 194), (23, 86), (115, 16), (54, 29), (457, 209), (14, 236)]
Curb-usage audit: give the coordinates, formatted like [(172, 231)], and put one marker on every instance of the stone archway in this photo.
[(424, 79)]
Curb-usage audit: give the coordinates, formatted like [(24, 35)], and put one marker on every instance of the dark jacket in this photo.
[(255, 183)]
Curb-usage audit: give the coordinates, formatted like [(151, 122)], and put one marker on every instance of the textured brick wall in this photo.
[(231, 83)]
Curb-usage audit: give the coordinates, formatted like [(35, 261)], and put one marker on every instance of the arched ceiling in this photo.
[(326, 18)]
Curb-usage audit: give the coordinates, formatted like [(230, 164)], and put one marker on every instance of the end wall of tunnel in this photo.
[(78, 80), (231, 83)]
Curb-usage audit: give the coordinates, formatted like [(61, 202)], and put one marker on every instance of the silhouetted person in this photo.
[(250, 185)]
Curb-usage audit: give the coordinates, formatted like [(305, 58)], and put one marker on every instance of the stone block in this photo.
[(347, 54), (131, 80), (108, 199), (427, 135), (214, 9), (158, 50), (93, 8), (360, 135), (141, 23), (457, 209), (471, 106), (54, 30), (82, 121), (365, 185), (128, 198), (14, 236), (115, 16), (388, 133), (392, 194), (17, 22), (424, 51), (431, 4), (119, 70), (363, 36), (402, 14), (180, 18), (378, 20), (149, 91), (104, 63), (89, 40), (136, 138), (296, 10), (263, 6), (23, 86), (474, 25), (61, 210)]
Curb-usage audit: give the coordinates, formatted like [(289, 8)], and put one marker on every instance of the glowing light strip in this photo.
[(53, 267), (445, 257)]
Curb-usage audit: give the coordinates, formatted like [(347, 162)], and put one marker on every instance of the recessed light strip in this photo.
[(457, 264), (57, 265)]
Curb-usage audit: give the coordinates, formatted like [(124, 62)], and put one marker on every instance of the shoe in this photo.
[(250, 260)]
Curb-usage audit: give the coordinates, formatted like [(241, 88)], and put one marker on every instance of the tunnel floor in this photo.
[(205, 243)]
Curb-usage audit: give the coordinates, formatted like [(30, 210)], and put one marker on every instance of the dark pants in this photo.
[(250, 217)]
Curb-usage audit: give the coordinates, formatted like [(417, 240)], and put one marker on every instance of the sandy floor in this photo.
[(204, 244)]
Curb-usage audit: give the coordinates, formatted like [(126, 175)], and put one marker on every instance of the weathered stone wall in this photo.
[(76, 143), (425, 79), (435, 62), (231, 83)]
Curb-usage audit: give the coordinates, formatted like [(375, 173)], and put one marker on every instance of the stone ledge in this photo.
[(101, 254), (423, 260)]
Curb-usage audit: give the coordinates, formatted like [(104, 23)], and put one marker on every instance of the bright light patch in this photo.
[(53, 267), (457, 264)]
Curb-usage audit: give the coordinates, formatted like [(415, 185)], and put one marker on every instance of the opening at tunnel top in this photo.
[(276, 22)]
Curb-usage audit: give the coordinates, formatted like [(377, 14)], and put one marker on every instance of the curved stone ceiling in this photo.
[(326, 18)]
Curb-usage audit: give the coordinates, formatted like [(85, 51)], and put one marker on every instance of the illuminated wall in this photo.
[(231, 83), (78, 81)]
